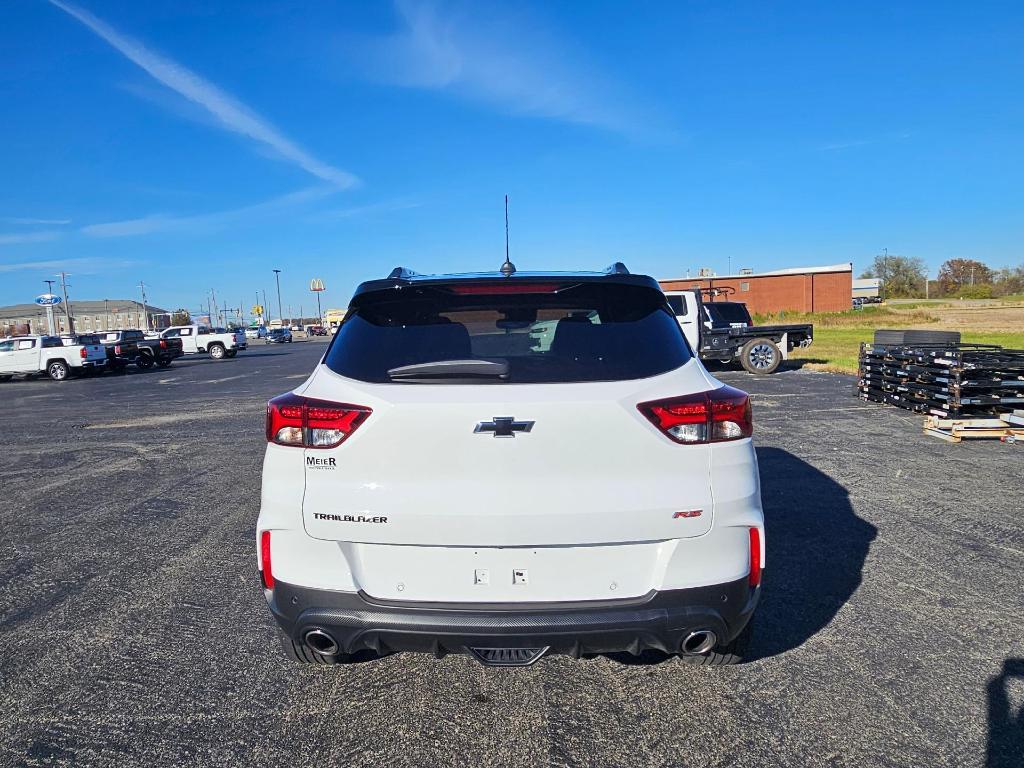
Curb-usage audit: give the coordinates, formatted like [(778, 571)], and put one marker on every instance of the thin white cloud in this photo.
[(365, 210), (484, 54), (203, 222), (837, 146), (34, 222), (81, 266), (229, 112), (28, 237)]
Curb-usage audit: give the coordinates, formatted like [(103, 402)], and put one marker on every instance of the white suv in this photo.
[(442, 483)]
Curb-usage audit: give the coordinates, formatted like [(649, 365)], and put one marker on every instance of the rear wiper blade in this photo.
[(496, 369)]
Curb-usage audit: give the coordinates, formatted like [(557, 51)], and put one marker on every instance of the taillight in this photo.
[(83, 353), (305, 422), (267, 570), (705, 417), (117, 349), (163, 343), (755, 558)]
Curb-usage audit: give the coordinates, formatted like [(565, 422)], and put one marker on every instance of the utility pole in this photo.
[(145, 311), (289, 315), (263, 319), (213, 305), (280, 312), (67, 305), (49, 307)]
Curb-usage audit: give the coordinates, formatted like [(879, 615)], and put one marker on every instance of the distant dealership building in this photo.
[(88, 316), (801, 289)]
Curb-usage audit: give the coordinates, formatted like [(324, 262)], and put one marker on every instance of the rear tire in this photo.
[(231, 353), (217, 351), (164, 362), (144, 361), (6, 377), (724, 655), (58, 370), (760, 356)]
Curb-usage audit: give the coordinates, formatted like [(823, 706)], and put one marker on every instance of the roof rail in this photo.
[(401, 273), (618, 268)]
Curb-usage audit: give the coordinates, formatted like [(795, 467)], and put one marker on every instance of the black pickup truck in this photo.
[(723, 331), (133, 346)]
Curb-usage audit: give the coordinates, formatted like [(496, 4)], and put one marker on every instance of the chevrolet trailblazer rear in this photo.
[(510, 465)]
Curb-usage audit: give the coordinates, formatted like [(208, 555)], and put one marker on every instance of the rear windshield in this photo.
[(726, 312), (567, 333)]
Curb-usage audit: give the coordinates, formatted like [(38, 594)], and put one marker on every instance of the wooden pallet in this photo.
[(955, 430)]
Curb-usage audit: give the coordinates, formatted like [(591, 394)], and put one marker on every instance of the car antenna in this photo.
[(508, 268)]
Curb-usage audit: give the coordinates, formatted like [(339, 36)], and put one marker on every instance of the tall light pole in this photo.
[(280, 312), (49, 307), (145, 312), (67, 307)]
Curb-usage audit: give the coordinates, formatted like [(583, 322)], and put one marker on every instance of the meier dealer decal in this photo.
[(318, 462)]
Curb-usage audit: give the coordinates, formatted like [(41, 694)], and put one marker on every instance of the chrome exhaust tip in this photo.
[(701, 641), (320, 642)]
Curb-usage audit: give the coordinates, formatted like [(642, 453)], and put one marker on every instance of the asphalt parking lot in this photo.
[(133, 630)]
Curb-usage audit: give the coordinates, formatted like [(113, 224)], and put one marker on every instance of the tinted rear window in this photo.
[(571, 333), (726, 312)]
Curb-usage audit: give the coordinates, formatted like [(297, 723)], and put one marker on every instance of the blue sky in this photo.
[(197, 144)]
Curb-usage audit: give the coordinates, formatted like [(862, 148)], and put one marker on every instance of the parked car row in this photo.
[(60, 357)]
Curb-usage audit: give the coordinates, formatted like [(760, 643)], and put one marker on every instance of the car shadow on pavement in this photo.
[(1005, 726), (815, 547)]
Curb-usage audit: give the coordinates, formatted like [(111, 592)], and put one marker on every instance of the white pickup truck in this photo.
[(36, 354), (196, 339)]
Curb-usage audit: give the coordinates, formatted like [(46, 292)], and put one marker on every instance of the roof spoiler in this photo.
[(401, 273)]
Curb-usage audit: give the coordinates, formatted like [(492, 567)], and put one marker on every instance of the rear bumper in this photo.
[(658, 620)]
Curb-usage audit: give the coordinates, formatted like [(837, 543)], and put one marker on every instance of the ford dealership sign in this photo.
[(48, 300)]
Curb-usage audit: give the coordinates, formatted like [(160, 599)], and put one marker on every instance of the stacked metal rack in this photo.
[(948, 380)]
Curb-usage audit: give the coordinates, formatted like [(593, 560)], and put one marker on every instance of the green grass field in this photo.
[(838, 335), (836, 349)]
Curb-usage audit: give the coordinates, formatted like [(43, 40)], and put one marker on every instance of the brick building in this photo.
[(801, 289), (89, 316)]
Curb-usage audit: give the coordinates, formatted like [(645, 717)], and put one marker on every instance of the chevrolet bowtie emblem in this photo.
[(503, 426)]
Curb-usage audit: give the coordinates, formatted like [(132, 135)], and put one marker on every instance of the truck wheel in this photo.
[(724, 655), (217, 351), (760, 356), (6, 377), (163, 362), (57, 370), (144, 361)]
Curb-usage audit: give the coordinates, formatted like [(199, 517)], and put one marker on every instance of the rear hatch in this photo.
[(479, 435), (581, 465)]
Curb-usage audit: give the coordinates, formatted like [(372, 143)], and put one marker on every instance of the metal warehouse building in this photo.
[(801, 289)]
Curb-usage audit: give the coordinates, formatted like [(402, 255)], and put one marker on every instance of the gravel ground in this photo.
[(133, 631)]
